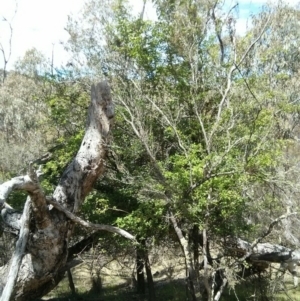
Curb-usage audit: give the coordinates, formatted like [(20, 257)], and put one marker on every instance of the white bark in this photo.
[(17, 183), (83, 171), (221, 290), (187, 255), (18, 254), (47, 248), (266, 252)]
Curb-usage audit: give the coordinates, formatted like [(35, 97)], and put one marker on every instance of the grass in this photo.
[(260, 289), (169, 284), (169, 291), (176, 291)]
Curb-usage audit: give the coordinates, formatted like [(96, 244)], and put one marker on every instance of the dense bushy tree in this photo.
[(205, 135), (211, 112)]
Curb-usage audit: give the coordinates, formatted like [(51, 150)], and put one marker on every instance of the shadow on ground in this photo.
[(165, 291)]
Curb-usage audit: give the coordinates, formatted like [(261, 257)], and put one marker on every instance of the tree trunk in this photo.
[(188, 257), (43, 262), (205, 266), (194, 237), (150, 283), (71, 282), (140, 270)]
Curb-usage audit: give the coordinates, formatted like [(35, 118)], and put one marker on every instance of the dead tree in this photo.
[(46, 225)]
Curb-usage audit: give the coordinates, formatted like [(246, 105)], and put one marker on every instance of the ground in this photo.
[(117, 281)]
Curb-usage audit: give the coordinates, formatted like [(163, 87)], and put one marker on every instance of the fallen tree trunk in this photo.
[(263, 251), (259, 256), (44, 261)]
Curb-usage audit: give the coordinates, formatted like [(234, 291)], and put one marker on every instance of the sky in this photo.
[(40, 24), (36, 23)]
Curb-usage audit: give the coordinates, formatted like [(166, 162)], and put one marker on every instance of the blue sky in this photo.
[(40, 24)]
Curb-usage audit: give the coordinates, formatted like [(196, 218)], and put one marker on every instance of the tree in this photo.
[(23, 111), (205, 111), (41, 254), (203, 146)]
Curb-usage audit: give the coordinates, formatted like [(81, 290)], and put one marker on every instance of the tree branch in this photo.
[(218, 31), (86, 224), (233, 67), (7, 58), (30, 184), (265, 251), (18, 254), (271, 226), (17, 183)]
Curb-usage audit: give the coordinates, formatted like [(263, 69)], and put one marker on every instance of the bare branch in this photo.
[(202, 128), (254, 42), (86, 224), (6, 57), (234, 67), (271, 227), (139, 134), (218, 32), (30, 184), (143, 10), (180, 143), (18, 254)]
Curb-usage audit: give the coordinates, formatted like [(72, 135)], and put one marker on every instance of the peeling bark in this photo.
[(81, 174), (45, 258), (18, 254)]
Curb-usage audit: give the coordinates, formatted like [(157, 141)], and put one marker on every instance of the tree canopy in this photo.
[(204, 146)]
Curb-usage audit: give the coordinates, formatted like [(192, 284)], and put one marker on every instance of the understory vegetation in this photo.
[(203, 157)]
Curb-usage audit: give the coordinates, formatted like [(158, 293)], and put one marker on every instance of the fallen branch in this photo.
[(257, 251), (18, 253)]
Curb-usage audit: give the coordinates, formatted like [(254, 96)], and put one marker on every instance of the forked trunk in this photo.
[(43, 263)]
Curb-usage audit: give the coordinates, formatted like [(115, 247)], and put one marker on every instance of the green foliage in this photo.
[(203, 121), (146, 220), (179, 142), (170, 117), (62, 155), (67, 105), (67, 114)]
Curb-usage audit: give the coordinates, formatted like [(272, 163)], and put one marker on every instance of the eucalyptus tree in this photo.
[(204, 139), (46, 224), (208, 114)]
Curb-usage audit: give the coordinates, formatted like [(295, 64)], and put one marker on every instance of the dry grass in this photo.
[(117, 276), (118, 283)]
